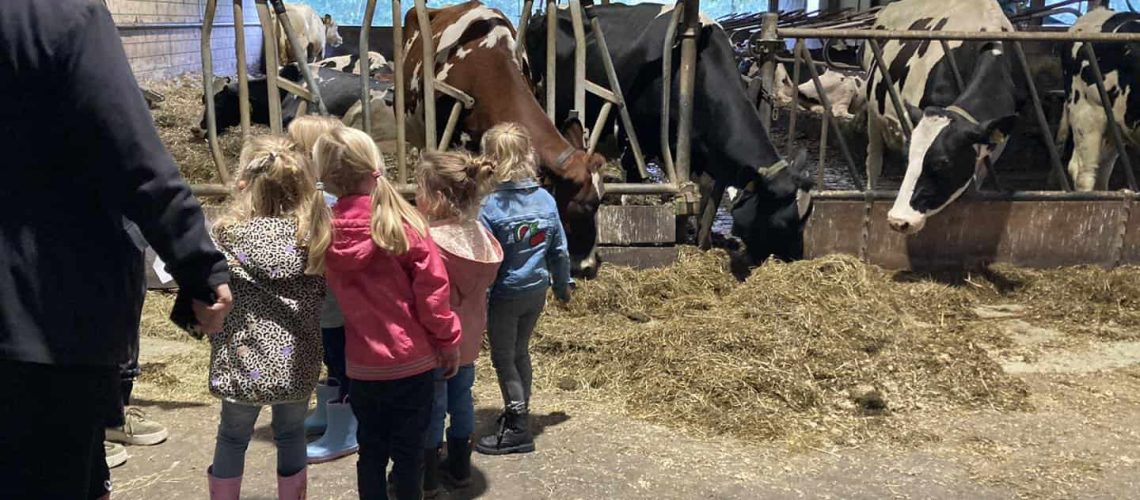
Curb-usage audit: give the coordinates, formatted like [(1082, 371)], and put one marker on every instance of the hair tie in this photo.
[(262, 164), (376, 174), (320, 186)]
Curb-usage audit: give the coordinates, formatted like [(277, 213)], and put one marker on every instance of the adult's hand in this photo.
[(211, 317)]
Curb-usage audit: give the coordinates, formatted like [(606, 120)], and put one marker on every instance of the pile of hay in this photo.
[(1086, 300), (803, 351)]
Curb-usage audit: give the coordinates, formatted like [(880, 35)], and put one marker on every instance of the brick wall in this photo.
[(164, 52)]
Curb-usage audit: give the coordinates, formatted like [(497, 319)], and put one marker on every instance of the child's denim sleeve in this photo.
[(558, 261)]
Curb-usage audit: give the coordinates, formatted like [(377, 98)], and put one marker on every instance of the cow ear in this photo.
[(218, 84), (995, 131), (327, 19), (573, 131)]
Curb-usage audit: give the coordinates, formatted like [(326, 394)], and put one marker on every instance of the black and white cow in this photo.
[(955, 129), (339, 90), (1094, 153), (730, 147), (350, 63)]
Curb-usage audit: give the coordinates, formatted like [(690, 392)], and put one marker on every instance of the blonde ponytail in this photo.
[(389, 213), (320, 233)]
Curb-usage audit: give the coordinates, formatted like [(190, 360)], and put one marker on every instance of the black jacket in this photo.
[(78, 152)]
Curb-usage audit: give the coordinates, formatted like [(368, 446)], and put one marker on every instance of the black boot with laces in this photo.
[(513, 435)]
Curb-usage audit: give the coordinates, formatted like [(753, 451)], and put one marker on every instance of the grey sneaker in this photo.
[(137, 430), (116, 454)]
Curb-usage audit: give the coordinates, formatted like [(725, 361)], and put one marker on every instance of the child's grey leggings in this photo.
[(510, 322), (236, 427)]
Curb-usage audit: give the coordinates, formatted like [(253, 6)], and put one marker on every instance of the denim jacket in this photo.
[(524, 218)]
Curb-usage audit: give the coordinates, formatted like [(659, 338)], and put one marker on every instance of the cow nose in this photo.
[(900, 226), (198, 132), (907, 223)]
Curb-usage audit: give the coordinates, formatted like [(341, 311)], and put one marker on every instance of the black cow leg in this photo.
[(711, 194)]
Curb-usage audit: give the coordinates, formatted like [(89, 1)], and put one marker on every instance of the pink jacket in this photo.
[(397, 310), (472, 256)]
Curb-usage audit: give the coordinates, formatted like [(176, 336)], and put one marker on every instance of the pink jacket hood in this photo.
[(472, 256)]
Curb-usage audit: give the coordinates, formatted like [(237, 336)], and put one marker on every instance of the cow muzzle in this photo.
[(906, 221), (198, 132)]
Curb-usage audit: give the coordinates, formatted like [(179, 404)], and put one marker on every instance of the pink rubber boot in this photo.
[(293, 487), (224, 489)]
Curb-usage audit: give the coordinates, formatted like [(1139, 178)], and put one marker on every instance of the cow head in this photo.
[(332, 32), (947, 149), (226, 112), (768, 215), (578, 192)]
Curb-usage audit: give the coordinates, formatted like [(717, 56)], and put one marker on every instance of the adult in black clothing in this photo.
[(78, 152)]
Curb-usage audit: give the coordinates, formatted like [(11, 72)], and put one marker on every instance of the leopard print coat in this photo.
[(270, 349)]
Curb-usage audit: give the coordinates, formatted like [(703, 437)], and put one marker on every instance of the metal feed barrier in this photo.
[(1039, 228)]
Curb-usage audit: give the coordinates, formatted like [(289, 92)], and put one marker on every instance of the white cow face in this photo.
[(946, 150)]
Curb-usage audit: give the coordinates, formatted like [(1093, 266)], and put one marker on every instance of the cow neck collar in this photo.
[(767, 173), (564, 157), (963, 113)]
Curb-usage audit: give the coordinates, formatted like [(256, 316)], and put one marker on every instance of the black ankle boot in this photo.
[(431, 473), (513, 435), (457, 468)]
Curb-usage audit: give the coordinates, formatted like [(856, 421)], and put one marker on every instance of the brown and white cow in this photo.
[(475, 53), (1094, 153)]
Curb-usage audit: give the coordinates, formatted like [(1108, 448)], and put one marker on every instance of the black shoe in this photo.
[(457, 468), (513, 436), (432, 488)]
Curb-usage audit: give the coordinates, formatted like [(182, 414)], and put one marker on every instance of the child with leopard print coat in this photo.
[(269, 352)]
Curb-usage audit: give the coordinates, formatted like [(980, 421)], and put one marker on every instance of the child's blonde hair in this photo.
[(452, 184), (274, 181), (345, 158), (507, 145), (305, 130)]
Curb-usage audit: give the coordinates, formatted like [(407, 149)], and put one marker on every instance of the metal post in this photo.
[(953, 65), (827, 110), (896, 101), (688, 74), (365, 63), (667, 91), (269, 37), (427, 42), (208, 92), (242, 69), (551, 55), (1042, 122), (795, 111), (1114, 127), (579, 60), (524, 20), (401, 92), (822, 149), (452, 121), (302, 62), (768, 67)]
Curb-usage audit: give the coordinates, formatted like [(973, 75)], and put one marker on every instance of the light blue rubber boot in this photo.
[(340, 437), (317, 422)]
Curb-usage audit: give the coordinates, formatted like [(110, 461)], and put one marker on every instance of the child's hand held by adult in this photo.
[(211, 317)]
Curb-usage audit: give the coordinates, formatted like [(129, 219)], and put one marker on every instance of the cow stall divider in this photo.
[(1031, 228), (269, 22)]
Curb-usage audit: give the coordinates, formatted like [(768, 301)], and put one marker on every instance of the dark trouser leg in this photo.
[(54, 437), (502, 331), (409, 404), (333, 340), (373, 434), (532, 309)]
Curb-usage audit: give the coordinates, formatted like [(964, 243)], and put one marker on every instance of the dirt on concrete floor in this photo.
[(1081, 440)]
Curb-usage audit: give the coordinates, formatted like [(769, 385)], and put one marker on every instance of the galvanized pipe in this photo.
[(365, 63), (269, 39), (1036, 36), (1114, 127), (688, 73), (953, 65), (242, 69), (596, 134), (208, 92), (896, 101), (449, 128), (427, 67), (795, 111), (768, 66), (667, 90), (889, 196), (830, 118), (551, 55), (635, 188), (401, 93), (1042, 122), (524, 20), (302, 63), (210, 190), (579, 60)]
